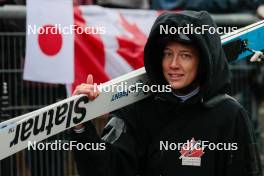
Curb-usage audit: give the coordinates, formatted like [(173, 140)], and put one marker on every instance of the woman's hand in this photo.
[(88, 88)]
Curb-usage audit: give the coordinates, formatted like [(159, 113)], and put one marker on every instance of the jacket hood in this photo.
[(213, 63)]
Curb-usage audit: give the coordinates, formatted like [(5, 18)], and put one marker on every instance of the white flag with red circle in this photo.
[(49, 41)]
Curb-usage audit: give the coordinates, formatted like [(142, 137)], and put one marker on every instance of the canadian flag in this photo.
[(107, 43)]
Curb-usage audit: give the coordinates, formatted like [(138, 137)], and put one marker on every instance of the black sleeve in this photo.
[(121, 154), (245, 161)]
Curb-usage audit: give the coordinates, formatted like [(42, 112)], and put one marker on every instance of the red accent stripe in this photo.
[(89, 55)]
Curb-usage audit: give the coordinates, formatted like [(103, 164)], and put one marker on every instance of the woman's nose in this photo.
[(174, 63)]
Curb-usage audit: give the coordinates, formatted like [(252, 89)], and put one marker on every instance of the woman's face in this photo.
[(180, 64)]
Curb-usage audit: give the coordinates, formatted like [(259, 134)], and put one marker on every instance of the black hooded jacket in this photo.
[(141, 139)]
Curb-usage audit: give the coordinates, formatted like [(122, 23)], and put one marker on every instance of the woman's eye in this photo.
[(167, 54), (185, 56)]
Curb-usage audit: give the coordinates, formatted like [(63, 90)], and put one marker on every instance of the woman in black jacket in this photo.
[(195, 129)]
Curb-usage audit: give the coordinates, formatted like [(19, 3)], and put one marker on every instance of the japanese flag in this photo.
[(49, 42)]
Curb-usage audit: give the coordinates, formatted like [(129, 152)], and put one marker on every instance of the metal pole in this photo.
[(13, 12)]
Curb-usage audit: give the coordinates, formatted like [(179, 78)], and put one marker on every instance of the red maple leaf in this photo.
[(131, 48)]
